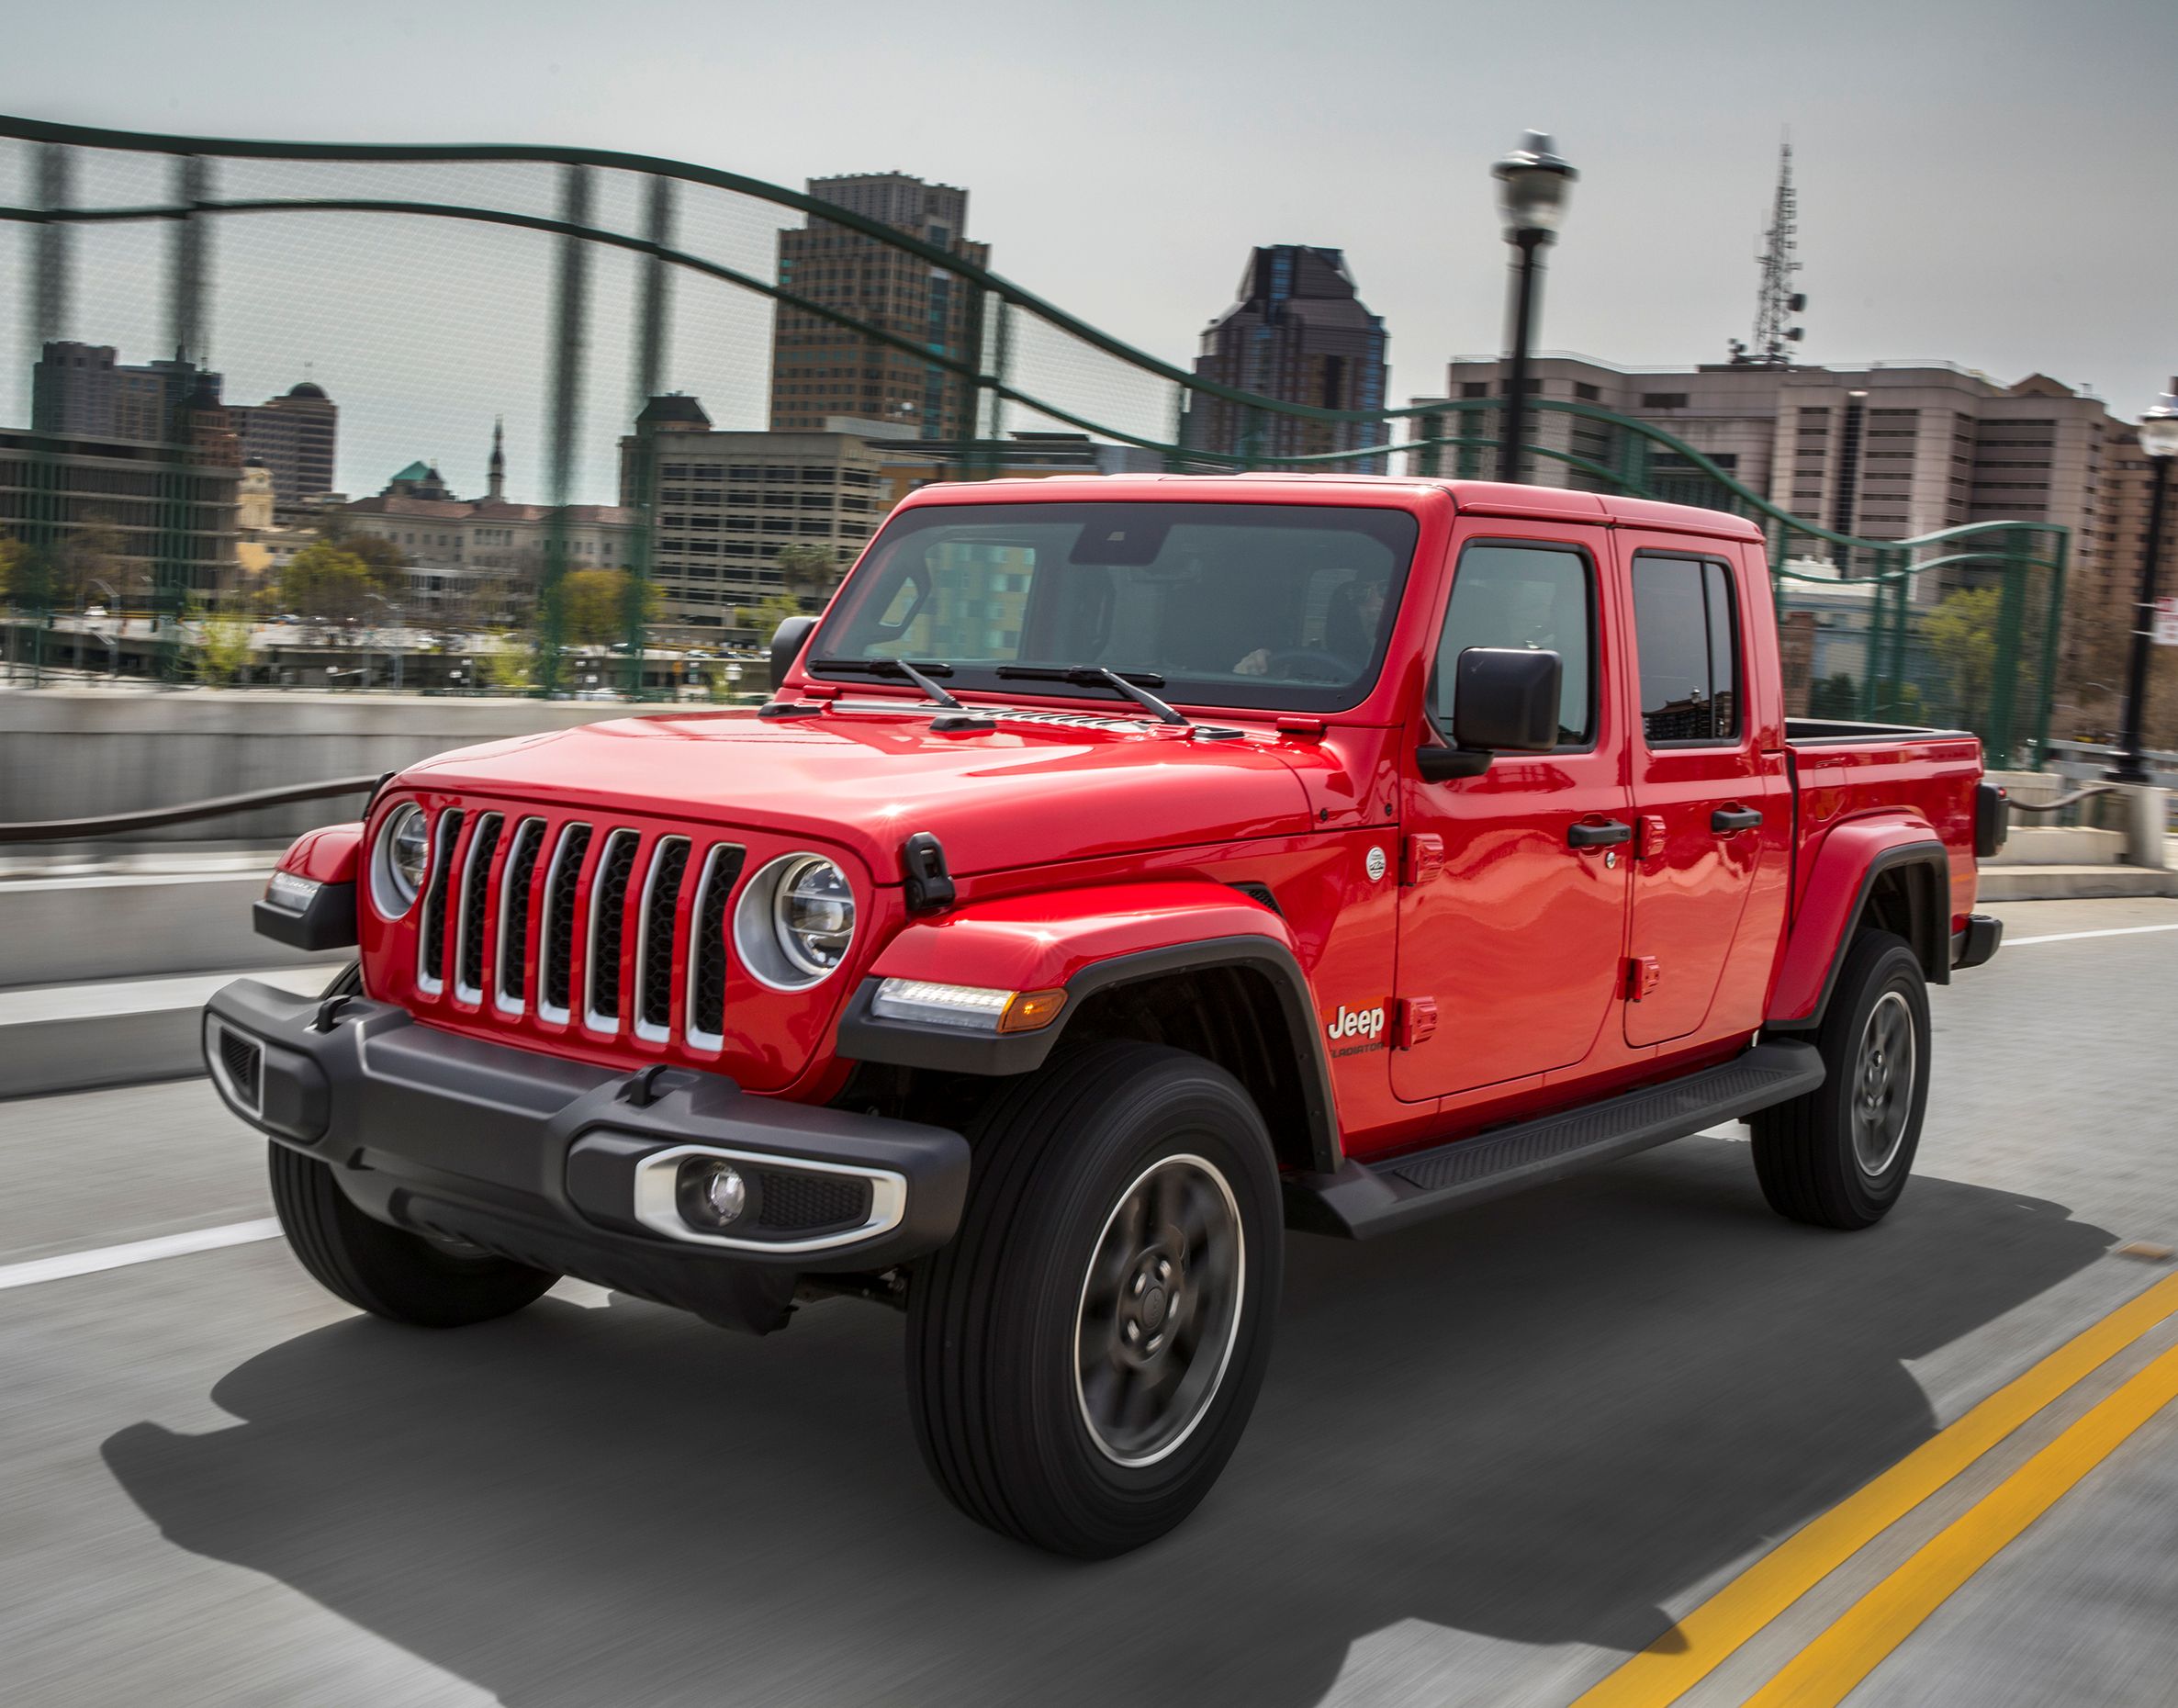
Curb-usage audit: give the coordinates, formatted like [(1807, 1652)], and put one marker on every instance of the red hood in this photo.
[(1023, 794)]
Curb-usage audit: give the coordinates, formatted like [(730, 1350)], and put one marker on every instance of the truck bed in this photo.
[(1842, 770)]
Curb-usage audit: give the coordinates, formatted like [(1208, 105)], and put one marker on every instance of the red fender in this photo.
[(328, 855), (1082, 939), (1846, 866), (1041, 941)]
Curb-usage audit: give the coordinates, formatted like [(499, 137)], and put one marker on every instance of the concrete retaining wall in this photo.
[(72, 753)]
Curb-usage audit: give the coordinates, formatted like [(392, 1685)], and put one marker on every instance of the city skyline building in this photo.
[(722, 504), (819, 368), (118, 510), (1886, 451), (295, 436), (87, 392), (481, 558), (1298, 331)]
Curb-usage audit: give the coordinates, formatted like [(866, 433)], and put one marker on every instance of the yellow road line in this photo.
[(1706, 1638), (1826, 1670)]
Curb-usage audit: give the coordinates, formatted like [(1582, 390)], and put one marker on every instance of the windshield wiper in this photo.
[(1100, 676), (919, 675)]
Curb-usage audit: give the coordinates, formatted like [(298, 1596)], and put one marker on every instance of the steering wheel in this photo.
[(1299, 661)]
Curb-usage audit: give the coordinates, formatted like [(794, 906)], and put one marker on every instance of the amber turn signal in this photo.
[(1031, 1011)]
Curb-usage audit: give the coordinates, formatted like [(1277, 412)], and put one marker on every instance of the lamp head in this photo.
[(2159, 426), (1532, 181)]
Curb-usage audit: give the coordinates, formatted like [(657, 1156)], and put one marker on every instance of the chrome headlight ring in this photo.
[(401, 856), (795, 922)]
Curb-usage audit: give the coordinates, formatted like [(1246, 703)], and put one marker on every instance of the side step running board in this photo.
[(1363, 1199)]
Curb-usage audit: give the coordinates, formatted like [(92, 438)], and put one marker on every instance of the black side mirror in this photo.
[(786, 646), (1504, 700)]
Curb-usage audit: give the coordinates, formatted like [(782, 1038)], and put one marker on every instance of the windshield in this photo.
[(1282, 606)]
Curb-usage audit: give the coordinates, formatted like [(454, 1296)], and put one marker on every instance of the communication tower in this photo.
[(1778, 303)]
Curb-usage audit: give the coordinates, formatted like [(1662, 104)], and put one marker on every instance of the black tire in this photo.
[(1010, 1346), (1824, 1158), (400, 1276)]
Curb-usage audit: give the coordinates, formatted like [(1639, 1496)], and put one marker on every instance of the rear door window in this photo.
[(1686, 636)]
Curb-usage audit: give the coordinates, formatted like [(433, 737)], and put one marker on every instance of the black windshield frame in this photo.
[(1386, 537)]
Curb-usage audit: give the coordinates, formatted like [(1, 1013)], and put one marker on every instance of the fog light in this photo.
[(710, 1194)]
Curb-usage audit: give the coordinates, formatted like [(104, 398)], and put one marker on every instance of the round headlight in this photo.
[(398, 859), (795, 920), (814, 912)]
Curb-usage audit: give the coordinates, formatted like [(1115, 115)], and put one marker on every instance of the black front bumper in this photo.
[(567, 1166)]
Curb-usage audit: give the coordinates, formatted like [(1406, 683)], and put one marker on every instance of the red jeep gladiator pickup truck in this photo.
[(1124, 872)]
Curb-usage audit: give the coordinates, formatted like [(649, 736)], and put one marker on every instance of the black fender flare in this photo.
[(865, 1038)]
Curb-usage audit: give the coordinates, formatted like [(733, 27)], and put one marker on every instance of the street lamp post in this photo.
[(1532, 181), (2158, 438)]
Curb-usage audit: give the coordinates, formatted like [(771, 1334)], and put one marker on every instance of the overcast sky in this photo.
[(1990, 183)]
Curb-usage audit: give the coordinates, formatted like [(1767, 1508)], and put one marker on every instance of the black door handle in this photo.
[(1726, 819), (1598, 836)]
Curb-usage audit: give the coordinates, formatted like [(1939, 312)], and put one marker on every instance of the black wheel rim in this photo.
[(1883, 1085), (1159, 1311)]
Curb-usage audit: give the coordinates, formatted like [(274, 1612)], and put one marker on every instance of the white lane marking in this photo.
[(135, 1251), (2069, 937)]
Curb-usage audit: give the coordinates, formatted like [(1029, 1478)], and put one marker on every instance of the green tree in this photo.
[(1836, 696), (27, 575), (765, 617), (510, 666), (1961, 635), (594, 604), (87, 567), (809, 572), (224, 647), (384, 560), (324, 583)]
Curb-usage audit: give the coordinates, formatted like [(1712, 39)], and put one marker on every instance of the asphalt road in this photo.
[(1495, 1458)]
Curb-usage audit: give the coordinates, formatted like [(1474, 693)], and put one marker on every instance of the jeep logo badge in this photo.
[(1375, 864), (1356, 1023)]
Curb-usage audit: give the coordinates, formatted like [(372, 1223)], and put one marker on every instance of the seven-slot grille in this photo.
[(556, 917)]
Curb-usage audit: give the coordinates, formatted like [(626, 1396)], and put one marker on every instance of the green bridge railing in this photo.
[(541, 284)]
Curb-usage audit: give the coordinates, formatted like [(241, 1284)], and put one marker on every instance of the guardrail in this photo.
[(188, 812)]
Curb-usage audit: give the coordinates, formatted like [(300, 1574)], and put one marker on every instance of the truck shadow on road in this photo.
[(1535, 1423)]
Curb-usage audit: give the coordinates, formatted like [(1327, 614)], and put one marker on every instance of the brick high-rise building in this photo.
[(819, 369), (1300, 334)]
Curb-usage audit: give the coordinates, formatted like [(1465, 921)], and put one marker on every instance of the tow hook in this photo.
[(645, 1088)]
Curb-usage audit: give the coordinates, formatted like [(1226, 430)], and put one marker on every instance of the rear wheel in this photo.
[(1838, 1157), (391, 1274), (1085, 1353)]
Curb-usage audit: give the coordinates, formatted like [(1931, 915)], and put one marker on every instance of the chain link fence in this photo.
[(529, 303)]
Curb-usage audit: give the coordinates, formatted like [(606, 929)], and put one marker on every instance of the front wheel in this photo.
[(1839, 1155), (1084, 1355), (401, 1276)]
